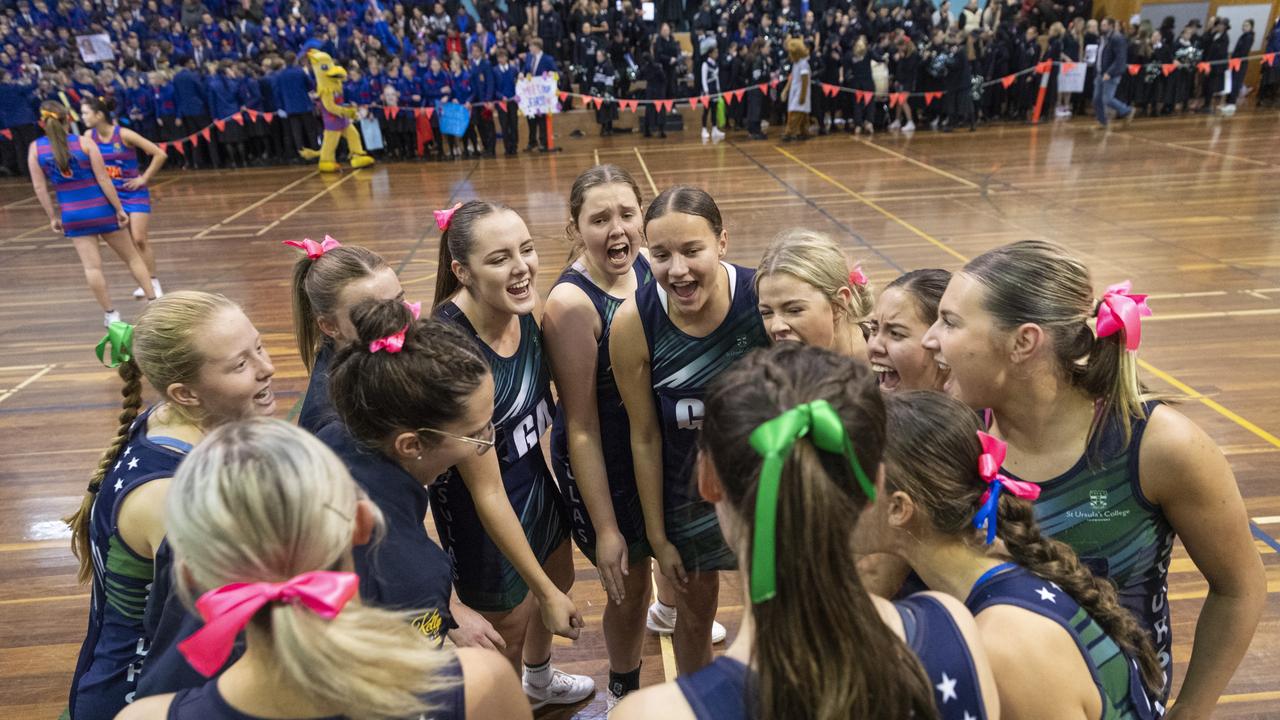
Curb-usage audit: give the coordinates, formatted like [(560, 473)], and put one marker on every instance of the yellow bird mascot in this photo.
[(336, 116)]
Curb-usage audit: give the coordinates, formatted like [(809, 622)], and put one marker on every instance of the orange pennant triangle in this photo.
[(1007, 80)]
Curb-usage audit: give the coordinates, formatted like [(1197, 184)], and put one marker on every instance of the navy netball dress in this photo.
[(484, 578), (122, 166), (680, 368), (85, 210), (107, 671), (932, 634), (615, 433)]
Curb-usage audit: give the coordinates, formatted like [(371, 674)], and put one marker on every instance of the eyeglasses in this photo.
[(483, 440)]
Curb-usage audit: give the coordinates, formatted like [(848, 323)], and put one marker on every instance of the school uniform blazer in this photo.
[(545, 64)]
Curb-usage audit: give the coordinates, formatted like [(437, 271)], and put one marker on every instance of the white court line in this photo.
[(219, 224), (39, 374), (1267, 520), (652, 185), (310, 200)]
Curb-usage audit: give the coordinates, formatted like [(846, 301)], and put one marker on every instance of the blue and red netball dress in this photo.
[(85, 210), (122, 165)]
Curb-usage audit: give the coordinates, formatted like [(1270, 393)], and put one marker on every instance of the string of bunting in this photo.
[(730, 96)]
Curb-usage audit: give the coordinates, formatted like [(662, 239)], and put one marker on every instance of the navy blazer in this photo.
[(546, 64)]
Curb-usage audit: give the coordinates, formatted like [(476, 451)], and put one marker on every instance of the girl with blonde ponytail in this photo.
[(1041, 613), (262, 518), (205, 359), (1022, 335), (89, 208)]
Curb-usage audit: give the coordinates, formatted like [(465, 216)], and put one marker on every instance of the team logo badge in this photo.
[(1098, 499)]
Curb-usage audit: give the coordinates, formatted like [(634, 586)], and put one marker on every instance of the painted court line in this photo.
[(652, 185), (277, 193), (917, 163), (307, 202), (14, 390), (1198, 151)]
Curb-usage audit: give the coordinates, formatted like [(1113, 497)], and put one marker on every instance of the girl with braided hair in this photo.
[(207, 362), (1040, 612)]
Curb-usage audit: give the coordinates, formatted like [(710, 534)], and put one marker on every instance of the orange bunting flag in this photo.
[(563, 95), (706, 101), (830, 90), (898, 98), (207, 133), (738, 94), (391, 111), (7, 134), (666, 105), (220, 124), (270, 117), (628, 104), (774, 83), (430, 111), (181, 150), (238, 117), (1269, 59), (1044, 67), (599, 102), (764, 88), (1203, 67), (864, 96), (1234, 64), (1168, 68), (164, 147), (1007, 80), (253, 115), (1068, 67), (929, 97), (1134, 69), (502, 105)]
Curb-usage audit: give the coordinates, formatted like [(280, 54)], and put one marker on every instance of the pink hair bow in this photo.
[(444, 217), (989, 462), (392, 343), (229, 608), (857, 277), (1120, 309), (312, 248), (415, 308)]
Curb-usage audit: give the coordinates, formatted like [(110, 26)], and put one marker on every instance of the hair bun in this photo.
[(376, 319)]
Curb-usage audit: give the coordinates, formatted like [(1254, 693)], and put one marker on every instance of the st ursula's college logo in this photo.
[(1098, 499)]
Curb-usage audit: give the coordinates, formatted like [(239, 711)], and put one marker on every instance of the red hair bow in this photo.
[(1121, 310), (989, 462), (229, 608), (857, 277), (312, 248)]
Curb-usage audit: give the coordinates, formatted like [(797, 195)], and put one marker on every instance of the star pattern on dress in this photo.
[(128, 449), (117, 467), (947, 688), (967, 716), (119, 485), (133, 463), (1046, 594)]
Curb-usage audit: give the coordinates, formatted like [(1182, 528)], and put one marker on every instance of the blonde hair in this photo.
[(816, 259), (164, 352), (261, 500)]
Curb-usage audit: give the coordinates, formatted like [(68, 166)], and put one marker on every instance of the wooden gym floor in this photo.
[(1186, 207)]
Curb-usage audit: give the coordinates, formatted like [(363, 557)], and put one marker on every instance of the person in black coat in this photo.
[(1217, 48), (604, 80), (1244, 44), (666, 52), (1112, 65), (655, 79)]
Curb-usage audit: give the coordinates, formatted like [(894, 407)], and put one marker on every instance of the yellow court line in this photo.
[(1214, 405), (310, 200), (277, 193), (14, 390), (36, 545), (424, 278), (652, 185), (1214, 314), (595, 153), (917, 163), (47, 598), (664, 641), (1249, 697), (1272, 586), (871, 204)]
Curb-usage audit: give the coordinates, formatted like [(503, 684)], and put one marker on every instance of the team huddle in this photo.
[(951, 499)]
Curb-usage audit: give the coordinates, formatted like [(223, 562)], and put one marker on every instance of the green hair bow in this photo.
[(120, 337), (773, 441)]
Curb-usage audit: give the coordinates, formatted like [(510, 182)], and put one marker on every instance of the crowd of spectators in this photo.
[(180, 65)]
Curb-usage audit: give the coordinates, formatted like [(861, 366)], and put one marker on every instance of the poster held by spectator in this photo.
[(1071, 80), (536, 94), (95, 48)]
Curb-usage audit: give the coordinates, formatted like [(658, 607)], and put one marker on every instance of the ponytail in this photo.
[(57, 125), (827, 652), (81, 545), (456, 242), (317, 287), (1111, 375), (1056, 562)]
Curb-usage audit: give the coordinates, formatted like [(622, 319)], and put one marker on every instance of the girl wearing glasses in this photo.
[(500, 514), (809, 294)]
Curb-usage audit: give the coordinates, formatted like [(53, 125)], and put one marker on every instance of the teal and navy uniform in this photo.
[(680, 368), (1097, 507), (206, 703), (107, 671), (615, 433), (931, 632), (1116, 675), (483, 577), (121, 162), (317, 406)]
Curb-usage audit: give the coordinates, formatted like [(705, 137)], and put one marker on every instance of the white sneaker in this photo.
[(716, 135), (110, 317), (662, 620), (139, 293), (909, 127), (893, 126), (564, 689), (706, 135)]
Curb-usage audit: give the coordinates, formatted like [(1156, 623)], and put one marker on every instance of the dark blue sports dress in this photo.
[(932, 634), (615, 433)]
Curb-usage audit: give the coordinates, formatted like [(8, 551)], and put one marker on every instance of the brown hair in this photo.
[(456, 242), (827, 652), (1062, 304), (932, 456), (317, 285), (816, 259), (164, 352), (925, 286), (426, 384), (57, 124), (591, 178), (104, 104), (687, 200)]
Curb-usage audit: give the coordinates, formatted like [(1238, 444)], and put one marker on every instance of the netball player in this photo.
[(500, 515), (1040, 612), (790, 455), (206, 360), (1120, 476), (809, 294), (903, 314), (262, 518), (667, 342), (119, 149), (88, 205)]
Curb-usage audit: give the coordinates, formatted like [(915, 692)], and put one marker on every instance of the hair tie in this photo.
[(989, 462), (773, 441), (415, 308), (49, 115), (228, 609), (1119, 310), (444, 217), (857, 277), (313, 249), (120, 337)]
